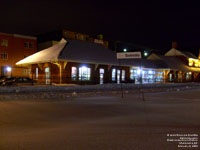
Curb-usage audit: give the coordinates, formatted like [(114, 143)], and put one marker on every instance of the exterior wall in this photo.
[(159, 76), (14, 47), (67, 76)]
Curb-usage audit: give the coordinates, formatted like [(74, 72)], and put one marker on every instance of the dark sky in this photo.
[(151, 23)]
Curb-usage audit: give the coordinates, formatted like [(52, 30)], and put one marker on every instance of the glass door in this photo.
[(101, 75), (47, 75)]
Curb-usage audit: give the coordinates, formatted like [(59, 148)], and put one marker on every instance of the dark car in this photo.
[(4, 79), (18, 81)]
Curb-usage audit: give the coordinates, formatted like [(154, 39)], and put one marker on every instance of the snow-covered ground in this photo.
[(67, 91), (103, 122)]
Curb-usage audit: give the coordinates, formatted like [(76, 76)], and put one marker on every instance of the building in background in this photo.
[(49, 39), (14, 47)]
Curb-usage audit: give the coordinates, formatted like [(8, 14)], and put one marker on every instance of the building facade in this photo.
[(14, 47), (83, 62)]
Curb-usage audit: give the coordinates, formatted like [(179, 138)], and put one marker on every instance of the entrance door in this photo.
[(170, 77), (47, 75), (101, 76), (118, 76)]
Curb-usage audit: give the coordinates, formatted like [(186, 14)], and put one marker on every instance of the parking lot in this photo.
[(99, 122)]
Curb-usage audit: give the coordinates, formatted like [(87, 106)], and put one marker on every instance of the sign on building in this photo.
[(129, 55)]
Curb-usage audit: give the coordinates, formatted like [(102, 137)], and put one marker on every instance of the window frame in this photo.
[(74, 78), (84, 76)]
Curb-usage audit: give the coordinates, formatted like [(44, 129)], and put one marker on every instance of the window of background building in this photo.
[(4, 56), (31, 45), (26, 44), (113, 74), (27, 71), (84, 73), (4, 43), (36, 73), (123, 75), (74, 73)]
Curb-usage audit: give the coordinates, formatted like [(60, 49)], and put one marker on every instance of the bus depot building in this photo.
[(83, 62)]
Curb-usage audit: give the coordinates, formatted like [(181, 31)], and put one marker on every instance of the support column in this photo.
[(59, 64)]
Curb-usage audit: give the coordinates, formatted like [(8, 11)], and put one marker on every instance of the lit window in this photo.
[(4, 56), (74, 73), (4, 43), (36, 73), (84, 73), (101, 71), (133, 74), (113, 74), (47, 75), (123, 75)]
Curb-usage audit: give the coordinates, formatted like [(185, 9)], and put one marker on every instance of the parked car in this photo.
[(17, 81), (3, 79)]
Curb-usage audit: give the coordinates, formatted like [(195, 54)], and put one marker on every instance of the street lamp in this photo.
[(125, 50)]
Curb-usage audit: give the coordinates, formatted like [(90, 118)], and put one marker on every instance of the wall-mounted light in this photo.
[(8, 69)]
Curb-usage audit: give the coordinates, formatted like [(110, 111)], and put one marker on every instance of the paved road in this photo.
[(100, 123)]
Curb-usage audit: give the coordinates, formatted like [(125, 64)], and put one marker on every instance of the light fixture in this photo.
[(145, 54), (8, 69), (125, 50)]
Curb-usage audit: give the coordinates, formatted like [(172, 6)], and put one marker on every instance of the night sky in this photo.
[(152, 24)]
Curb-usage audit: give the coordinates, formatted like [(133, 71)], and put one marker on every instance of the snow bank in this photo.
[(93, 88)]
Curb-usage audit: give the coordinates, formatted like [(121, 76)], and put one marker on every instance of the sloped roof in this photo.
[(189, 55), (175, 52), (87, 52), (173, 63), (145, 63), (47, 55), (82, 51)]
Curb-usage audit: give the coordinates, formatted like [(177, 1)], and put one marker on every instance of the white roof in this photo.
[(46, 55), (175, 52)]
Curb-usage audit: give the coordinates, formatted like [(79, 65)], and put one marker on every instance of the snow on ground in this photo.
[(67, 91), (105, 122)]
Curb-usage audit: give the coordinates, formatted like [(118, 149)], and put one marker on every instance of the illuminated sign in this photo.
[(194, 62), (98, 41), (129, 55)]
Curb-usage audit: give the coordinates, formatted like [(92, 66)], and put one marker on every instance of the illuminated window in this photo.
[(36, 73), (4, 43), (113, 74), (133, 74), (74, 73), (123, 75), (4, 56), (47, 75), (101, 71), (84, 73)]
